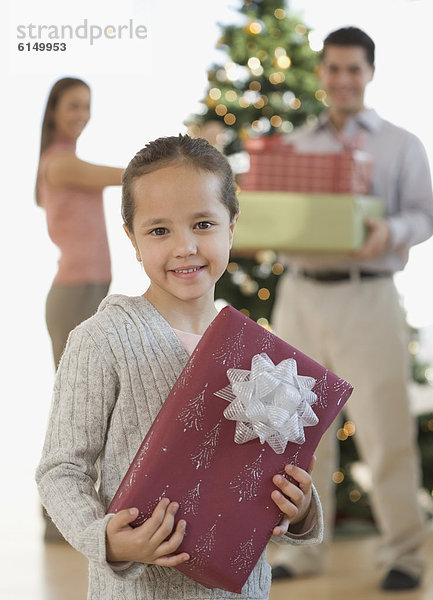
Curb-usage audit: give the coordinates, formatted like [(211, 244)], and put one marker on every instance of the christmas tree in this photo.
[(267, 82), (265, 85)]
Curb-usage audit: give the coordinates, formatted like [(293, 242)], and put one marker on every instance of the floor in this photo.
[(57, 572), (353, 576)]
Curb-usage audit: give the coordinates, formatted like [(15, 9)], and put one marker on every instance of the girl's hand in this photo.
[(293, 501), (153, 542)]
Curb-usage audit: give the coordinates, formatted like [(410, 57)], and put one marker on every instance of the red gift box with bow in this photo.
[(245, 405)]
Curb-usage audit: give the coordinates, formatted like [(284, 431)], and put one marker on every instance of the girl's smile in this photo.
[(186, 272)]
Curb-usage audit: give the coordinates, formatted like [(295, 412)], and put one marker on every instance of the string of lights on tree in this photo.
[(267, 84)]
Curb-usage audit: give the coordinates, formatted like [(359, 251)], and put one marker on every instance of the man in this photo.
[(345, 313)]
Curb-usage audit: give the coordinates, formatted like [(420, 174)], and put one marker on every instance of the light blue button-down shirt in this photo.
[(401, 177)]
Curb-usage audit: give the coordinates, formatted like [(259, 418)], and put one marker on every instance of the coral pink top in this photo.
[(76, 224), (188, 340)]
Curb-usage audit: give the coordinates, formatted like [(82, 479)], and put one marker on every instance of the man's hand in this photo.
[(293, 501), (377, 240), (153, 542)]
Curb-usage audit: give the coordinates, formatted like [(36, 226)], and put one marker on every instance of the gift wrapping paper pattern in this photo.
[(189, 454), (275, 166)]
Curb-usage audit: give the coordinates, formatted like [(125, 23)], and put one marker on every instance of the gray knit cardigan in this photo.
[(116, 371)]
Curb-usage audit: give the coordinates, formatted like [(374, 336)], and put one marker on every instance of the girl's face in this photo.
[(182, 232), (72, 111)]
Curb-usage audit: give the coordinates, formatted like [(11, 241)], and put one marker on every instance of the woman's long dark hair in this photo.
[(48, 125)]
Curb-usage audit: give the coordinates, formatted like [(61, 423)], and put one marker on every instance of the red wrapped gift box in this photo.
[(275, 166), (189, 454)]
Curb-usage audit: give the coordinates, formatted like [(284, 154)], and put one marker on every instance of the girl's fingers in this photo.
[(284, 504), (299, 475), (159, 511), (282, 526), (172, 561), (170, 546), (311, 465), (164, 525), (153, 523), (122, 519), (289, 489)]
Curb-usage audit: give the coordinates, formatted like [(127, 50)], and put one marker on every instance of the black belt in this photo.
[(328, 276)]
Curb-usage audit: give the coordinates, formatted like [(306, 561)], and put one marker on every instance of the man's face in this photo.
[(345, 73)]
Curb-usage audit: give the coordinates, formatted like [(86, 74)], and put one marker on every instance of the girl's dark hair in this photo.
[(196, 152), (48, 126)]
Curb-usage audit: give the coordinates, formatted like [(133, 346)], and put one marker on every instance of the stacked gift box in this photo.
[(327, 198), (276, 166), (303, 222)]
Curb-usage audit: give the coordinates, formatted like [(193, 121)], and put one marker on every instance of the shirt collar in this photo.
[(367, 119)]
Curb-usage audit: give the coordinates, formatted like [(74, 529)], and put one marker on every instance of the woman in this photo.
[(70, 191)]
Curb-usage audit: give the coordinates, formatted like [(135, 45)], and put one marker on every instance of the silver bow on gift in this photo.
[(270, 402)]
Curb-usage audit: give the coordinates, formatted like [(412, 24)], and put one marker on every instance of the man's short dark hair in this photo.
[(351, 36)]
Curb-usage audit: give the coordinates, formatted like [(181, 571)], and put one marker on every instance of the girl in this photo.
[(70, 191), (180, 209)]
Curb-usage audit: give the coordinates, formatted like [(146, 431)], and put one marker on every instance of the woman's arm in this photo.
[(66, 170)]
